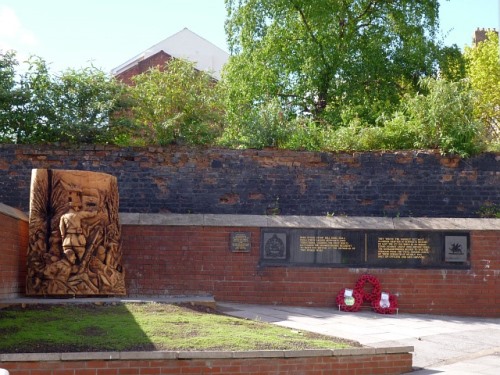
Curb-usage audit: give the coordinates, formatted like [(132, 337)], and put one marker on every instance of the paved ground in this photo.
[(443, 345)]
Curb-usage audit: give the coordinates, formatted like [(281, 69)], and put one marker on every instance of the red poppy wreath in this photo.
[(368, 295), (385, 303), (349, 301)]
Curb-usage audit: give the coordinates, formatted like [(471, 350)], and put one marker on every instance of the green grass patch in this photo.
[(143, 326)]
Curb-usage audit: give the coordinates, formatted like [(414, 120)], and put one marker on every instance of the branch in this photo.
[(311, 33)]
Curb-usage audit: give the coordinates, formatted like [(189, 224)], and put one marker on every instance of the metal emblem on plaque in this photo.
[(274, 246)]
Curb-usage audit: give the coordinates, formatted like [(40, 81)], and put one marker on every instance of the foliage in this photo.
[(438, 117), (483, 70), (451, 64), (442, 118), (7, 80), (489, 210), (325, 58), (177, 104), (265, 126), (148, 326), (74, 107)]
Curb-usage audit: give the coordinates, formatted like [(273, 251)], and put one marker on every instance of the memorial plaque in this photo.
[(358, 248), (240, 242), (405, 249), (274, 246), (456, 248)]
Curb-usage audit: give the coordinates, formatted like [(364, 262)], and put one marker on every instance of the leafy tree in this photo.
[(75, 107), (85, 100), (8, 65), (451, 63), (483, 70), (178, 104), (327, 58)]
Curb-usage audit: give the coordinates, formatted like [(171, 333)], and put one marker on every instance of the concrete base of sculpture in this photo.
[(74, 244)]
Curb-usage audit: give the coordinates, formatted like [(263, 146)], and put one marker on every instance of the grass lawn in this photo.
[(142, 327)]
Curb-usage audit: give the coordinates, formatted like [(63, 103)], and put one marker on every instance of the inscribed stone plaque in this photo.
[(240, 242), (274, 246), (405, 249), (359, 248), (313, 246), (455, 248)]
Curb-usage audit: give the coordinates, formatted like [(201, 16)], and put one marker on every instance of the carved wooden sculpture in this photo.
[(74, 246)]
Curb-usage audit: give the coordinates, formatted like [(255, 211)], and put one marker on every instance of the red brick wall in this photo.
[(397, 363), (157, 60), (13, 245), (163, 260), (196, 260)]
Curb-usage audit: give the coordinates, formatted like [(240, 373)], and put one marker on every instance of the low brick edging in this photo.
[(354, 361)]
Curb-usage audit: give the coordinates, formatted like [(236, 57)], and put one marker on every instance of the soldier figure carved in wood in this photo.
[(75, 247)]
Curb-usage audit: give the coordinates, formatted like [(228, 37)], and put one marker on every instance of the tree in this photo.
[(8, 65), (451, 63), (328, 58), (85, 101), (483, 70), (179, 104), (40, 107)]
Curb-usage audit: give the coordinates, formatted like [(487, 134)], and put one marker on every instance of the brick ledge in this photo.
[(88, 356)]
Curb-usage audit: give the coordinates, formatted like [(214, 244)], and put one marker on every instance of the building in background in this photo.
[(480, 35), (186, 45)]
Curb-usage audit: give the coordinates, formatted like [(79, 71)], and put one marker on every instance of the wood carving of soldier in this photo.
[(70, 226)]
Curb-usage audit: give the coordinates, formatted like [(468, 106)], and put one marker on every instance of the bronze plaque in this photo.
[(241, 242)]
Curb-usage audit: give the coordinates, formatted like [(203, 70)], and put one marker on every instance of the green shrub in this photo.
[(439, 117), (179, 104), (264, 126)]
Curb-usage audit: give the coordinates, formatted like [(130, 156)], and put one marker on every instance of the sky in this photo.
[(105, 33)]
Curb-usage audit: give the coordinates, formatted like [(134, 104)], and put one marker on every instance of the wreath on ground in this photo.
[(372, 294), (349, 303), (386, 306), (382, 303)]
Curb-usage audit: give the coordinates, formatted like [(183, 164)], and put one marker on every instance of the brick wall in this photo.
[(13, 245), (169, 260), (221, 363), (196, 260), (197, 180), (157, 60)]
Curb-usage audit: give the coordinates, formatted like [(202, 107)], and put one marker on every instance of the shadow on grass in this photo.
[(71, 328)]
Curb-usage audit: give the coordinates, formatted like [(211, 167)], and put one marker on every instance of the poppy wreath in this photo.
[(393, 305), (341, 303), (373, 281)]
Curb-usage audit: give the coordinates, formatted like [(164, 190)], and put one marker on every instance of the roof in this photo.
[(186, 45)]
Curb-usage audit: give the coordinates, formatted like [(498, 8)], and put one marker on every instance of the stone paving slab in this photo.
[(441, 343)]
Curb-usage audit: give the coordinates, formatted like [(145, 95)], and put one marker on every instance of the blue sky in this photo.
[(106, 33)]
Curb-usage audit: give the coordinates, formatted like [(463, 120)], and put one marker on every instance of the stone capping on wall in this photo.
[(319, 222), (174, 355), (13, 212)]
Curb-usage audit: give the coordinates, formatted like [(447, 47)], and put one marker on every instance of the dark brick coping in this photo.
[(88, 356), (262, 221)]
